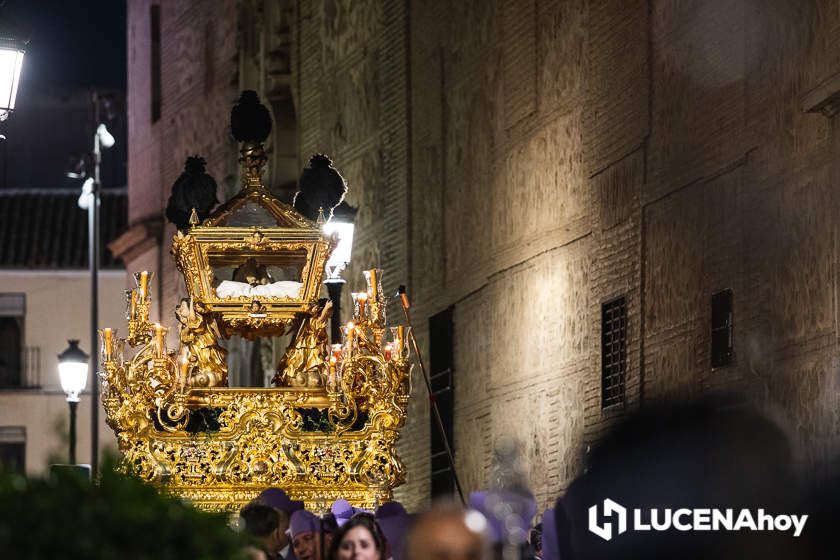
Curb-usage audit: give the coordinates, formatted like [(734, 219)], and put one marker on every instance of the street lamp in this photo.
[(89, 200), (12, 48), (340, 225), (72, 371)]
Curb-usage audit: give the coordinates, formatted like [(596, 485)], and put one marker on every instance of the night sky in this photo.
[(72, 42), (75, 46)]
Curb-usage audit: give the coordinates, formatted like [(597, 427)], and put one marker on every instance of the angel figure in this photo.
[(207, 360), (305, 360)]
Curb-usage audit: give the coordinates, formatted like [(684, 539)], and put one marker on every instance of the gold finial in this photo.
[(193, 218), (321, 219), (252, 159)]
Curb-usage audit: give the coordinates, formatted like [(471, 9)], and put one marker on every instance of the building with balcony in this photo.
[(44, 301)]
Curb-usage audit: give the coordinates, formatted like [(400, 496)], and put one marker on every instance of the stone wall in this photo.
[(564, 153), (198, 77), (503, 228)]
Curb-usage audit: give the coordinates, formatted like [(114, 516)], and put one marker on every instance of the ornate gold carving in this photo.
[(218, 446), (305, 362), (256, 240), (202, 362), (196, 251)]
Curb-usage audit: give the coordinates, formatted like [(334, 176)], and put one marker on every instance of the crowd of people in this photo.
[(711, 453), (281, 529)]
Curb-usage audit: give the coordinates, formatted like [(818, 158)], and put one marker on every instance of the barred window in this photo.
[(154, 30), (722, 348), (613, 351), (441, 354)]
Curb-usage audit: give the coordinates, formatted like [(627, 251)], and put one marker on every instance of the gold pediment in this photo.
[(254, 206)]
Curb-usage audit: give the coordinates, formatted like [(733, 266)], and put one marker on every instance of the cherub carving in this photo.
[(199, 340), (304, 362)]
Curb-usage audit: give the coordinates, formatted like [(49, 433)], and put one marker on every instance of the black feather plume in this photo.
[(249, 119), (320, 186), (193, 189)]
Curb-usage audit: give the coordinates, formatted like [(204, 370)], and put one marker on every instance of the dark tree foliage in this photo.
[(120, 517)]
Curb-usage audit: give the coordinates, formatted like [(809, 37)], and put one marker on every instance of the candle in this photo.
[(374, 287), (351, 326), (331, 381), (362, 299), (400, 340), (133, 315), (109, 343), (144, 284), (185, 365), (160, 338)]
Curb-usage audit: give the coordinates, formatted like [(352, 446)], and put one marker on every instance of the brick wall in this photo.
[(564, 153), (353, 105), (199, 82)]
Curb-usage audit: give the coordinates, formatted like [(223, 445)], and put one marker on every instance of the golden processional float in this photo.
[(253, 268)]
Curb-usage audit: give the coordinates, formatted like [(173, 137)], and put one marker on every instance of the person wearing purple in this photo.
[(343, 511), (262, 524), (277, 499), (394, 521), (310, 535), (550, 543), (508, 512)]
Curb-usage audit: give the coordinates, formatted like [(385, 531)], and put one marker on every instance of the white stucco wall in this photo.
[(57, 309)]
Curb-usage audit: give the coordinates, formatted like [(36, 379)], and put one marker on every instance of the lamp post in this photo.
[(341, 225), (12, 49), (72, 371), (89, 200)]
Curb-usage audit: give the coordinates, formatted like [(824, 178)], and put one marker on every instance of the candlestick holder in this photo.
[(130, 305), (360, 306), (106, 344), (400, 335), (139, 327), (377, 303), (373, 278), (143, 282)]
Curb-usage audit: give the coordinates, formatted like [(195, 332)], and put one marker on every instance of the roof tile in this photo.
[(45, 228)]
